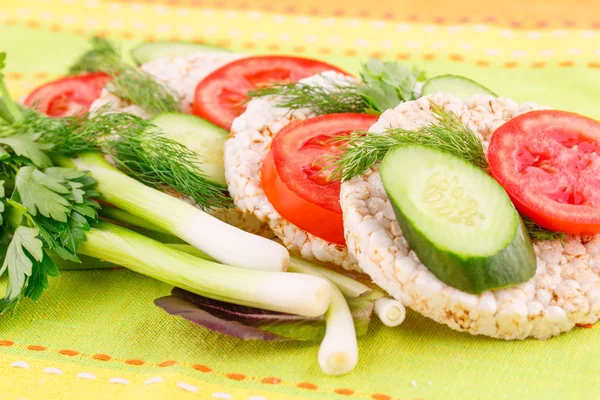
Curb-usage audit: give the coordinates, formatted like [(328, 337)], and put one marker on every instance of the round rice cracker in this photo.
[(182, 74), (564, 292), (249, 143)]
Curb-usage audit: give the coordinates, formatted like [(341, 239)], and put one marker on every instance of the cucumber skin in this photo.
[(484, 90), (473, 275), (467, 273)]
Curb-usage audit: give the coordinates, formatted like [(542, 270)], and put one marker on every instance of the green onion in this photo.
[(225, 243), (276, 291), (338, 353), (390, 311)]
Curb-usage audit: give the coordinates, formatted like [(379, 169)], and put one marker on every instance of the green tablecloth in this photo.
[(97, 334)]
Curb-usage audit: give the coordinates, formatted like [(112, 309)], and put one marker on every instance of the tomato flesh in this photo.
[(549, 163), (68, 96), (297, 186), (220, 96)]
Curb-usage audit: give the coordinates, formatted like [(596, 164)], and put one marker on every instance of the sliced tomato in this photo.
[(294, 181), (68, 96), (220, 95), (549, 163)]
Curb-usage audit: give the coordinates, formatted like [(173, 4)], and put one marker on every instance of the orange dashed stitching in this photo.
[(150, 38), (324, 50), (270, 380), (538, 64), (32, 24), (379, 396), (511, 64), (566, 64), (345, 392), (127, 35), (594, 65), (377, 54), (14, 75), (482, 63), (224, 43), (236, 377), (168, 363), (298, 49), (201, 368), (70, 353), (350, 53), (307, 385), (403, 56), (428, 56), (274, 47), (456, 58), (248, 45)]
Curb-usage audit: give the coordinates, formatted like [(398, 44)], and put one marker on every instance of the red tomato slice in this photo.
[(68, 96), (220, 96), (549, 164), (299, 190)]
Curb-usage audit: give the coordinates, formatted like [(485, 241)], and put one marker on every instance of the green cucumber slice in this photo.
[(147, 52), (457, 219), (202, 137), (458, 86)]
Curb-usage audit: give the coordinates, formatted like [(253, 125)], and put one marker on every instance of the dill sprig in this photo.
[(335, 98), (385, 85), (129, 83), (140, 88), (536, 232), (102, 57), (362, 150), (136, 146)]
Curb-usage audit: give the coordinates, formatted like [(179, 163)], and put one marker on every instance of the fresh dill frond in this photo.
[(335, 98), (139, 149), (102, 57), (385, 85), (362, 150), (129, 83), (158, 161), (536, 232), (140, 88)]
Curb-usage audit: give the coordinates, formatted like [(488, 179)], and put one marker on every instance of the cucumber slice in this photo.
[(150, 51), (457, 219), (202, 137), (458, 86)]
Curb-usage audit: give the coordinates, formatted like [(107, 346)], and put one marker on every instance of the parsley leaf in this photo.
[(41, 192), (387, 84), (23, 249), (26, 146), (2, 206)]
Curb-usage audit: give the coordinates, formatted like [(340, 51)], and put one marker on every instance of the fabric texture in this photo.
[(97, 335)]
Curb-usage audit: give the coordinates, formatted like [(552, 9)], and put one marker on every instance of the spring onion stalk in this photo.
[(338, 353), (276, 291), (224, 242), (116, 214), (390, 311), (348, 286)]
